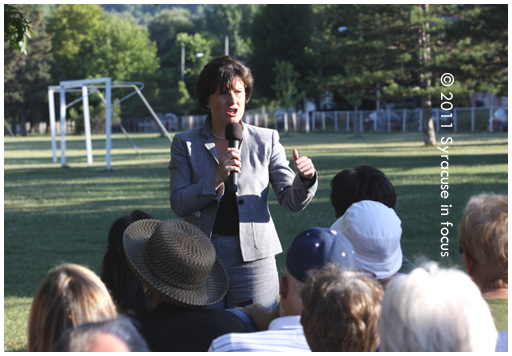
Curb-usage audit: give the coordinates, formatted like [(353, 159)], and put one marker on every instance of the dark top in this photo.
[(407, 266), (227, 221), (171, 328)]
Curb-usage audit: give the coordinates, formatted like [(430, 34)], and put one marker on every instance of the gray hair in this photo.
[(435, 309), (81, 338)]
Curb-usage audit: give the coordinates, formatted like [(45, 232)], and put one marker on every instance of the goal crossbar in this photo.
[(83, 85)]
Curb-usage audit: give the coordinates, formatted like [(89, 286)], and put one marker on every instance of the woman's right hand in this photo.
[(229, 162)]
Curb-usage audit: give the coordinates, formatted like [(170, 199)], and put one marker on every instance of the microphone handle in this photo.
[(233, 176)]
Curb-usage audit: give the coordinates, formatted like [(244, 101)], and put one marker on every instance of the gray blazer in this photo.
[(192, 169)]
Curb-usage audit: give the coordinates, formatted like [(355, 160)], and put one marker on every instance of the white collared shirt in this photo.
[(284, 334)]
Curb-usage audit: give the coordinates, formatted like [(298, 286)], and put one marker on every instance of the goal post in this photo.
[(83, 86), (78, 85)]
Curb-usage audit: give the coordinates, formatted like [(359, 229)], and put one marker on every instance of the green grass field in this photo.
[(54, 215)]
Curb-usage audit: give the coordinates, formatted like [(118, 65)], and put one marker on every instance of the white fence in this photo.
[(43, 127), (469, 119)]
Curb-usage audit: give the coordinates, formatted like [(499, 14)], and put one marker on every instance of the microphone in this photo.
[(233, 134)]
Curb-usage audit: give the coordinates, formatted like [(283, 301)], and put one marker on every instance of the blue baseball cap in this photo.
[(316, 247)]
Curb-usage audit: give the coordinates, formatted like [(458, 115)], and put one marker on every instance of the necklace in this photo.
[(217, 136)]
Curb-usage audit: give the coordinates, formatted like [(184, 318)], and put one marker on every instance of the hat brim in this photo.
[(381, 268), (135, 239)]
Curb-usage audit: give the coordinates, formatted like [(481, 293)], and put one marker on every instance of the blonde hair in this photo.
[(483, 235), (68, 296), (435, 310)]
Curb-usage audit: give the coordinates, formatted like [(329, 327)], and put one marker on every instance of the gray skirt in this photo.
[(255, 281)]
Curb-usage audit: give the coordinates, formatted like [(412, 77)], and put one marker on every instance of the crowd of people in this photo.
[(209, 282)]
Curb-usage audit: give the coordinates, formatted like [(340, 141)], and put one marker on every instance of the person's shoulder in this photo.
[(195, 132), (190, 136), (262, 341), (261, 131), (240, 342), (261, 134), (231, 342), (219, 319)]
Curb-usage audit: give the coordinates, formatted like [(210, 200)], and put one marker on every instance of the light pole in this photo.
[(182, 63), (198, 55), (378, 97)]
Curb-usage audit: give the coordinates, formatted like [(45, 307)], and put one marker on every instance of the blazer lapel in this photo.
[(210, 147), (209, 144)]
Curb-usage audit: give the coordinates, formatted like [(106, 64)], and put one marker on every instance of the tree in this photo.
[(380, 47), (194, 44), (165, 92), (425, 58), (16, 29), (166, 25), (164, 89), (103, 45), (479, 50), (146, 13), (279, 33), (406, 48), (198, 52), (354, 97), (230, 20), (358, 48), (74, 30), (26, 77), (286, 84), (460, 40), (122, 50)]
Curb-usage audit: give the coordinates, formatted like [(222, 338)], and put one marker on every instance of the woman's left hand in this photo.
[(303, 165)]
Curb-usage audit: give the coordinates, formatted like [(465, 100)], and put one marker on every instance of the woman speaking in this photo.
[(238, 220)]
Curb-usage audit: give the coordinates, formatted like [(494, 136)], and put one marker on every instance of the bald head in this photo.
[(103, 342), (113, 335)]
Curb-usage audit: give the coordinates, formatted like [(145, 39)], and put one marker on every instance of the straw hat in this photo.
[(177, 260)]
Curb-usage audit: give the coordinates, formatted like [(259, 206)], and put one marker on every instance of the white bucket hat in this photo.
[(374, 230)]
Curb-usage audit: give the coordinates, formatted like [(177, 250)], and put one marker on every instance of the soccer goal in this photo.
[(88, 87)]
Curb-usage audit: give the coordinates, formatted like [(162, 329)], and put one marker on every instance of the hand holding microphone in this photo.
[(229, 162), (234, 136)]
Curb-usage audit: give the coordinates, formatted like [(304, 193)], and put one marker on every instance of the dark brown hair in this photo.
[(220, 73), (123, 285)]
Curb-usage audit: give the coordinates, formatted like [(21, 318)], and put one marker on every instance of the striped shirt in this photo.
[(284, 334)]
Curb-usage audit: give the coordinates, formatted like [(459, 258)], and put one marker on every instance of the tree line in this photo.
[(360, 53)]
